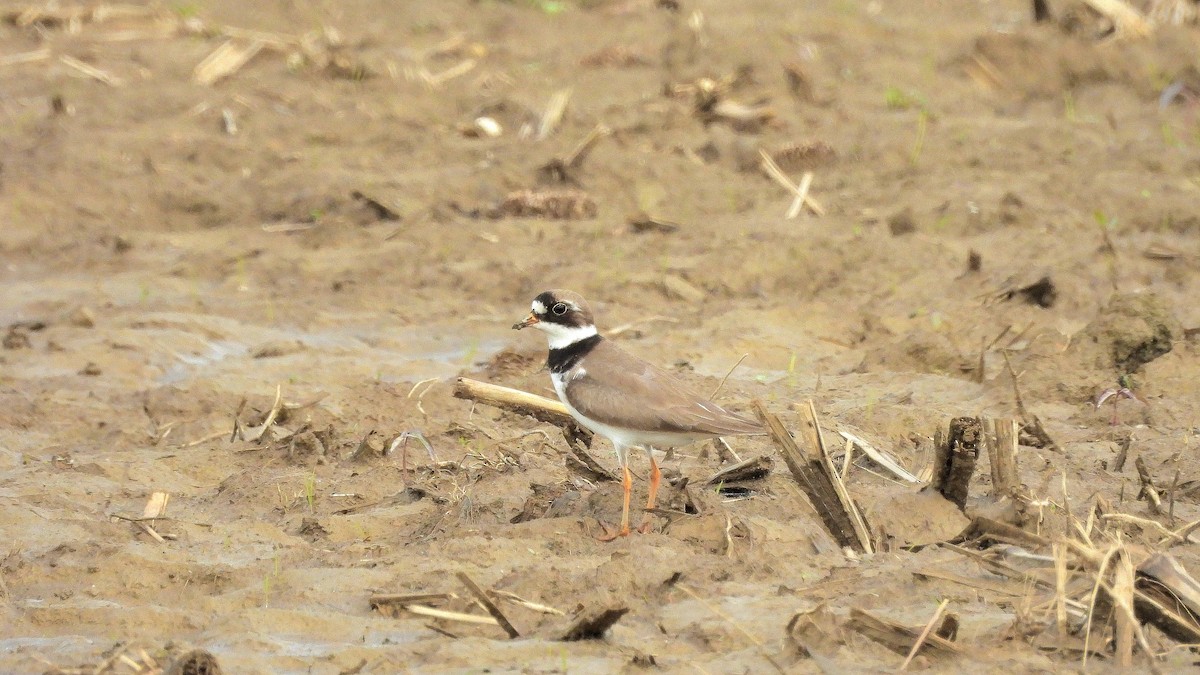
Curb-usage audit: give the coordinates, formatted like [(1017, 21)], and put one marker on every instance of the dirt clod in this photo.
[(1131, 331), (549, 204), (592, 623), (902, 222)]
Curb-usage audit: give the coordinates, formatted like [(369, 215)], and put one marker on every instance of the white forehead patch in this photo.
[(538, 307)]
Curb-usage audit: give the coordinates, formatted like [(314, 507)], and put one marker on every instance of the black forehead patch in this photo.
[(547, 299)]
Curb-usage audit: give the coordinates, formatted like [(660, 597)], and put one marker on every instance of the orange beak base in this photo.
[(529, 321)]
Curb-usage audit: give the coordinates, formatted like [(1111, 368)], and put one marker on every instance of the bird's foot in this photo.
[(611, 534)]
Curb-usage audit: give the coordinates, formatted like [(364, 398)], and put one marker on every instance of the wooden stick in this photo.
[(25, 57), (1123, 444), (1002, 454), (881, 458), (441, 631), (406, 598), (1125, 19), (847, 458), (819, 481), (457, 70), (1145, 597), (723, 379), (999, 568), (933, 620), (725, 452), (1148, 489), (1123, 604), (772, 169), (1144, 522), (156, 506), (553, 113), (224, 61), (580, 459), (538, 407), (1168, 597), (894, 636), (1185, 531), (970, 582), (1171, 499), (751, 469), (488, 605), (983, 527), (1123, 617), (580, 153), (1072, 524), (1031, 423), (1100, 561), (91, 71), (152, 532), (635, 325), (801, 196), (276, 407), (528, 604), (461, 617), (813, 429), (1060, 589)]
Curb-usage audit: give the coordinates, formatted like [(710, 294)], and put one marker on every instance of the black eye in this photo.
[(559, 308)]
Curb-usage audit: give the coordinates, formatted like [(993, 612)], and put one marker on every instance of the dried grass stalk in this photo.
[(553, 115), (1126, 20), (25, 57), (225, 61), (91, 71), (772, 169), (881, 458)]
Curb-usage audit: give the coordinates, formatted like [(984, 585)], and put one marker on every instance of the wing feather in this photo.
[(608, 394)]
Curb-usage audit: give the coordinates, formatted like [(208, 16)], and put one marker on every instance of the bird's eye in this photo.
[(559, 308)]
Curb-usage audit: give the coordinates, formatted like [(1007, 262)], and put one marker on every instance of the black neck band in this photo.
[(564, 358)]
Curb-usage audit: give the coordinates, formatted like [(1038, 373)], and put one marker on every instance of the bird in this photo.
[(619, 396)]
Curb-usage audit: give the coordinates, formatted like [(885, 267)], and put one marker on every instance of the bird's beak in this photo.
[(529, 321)]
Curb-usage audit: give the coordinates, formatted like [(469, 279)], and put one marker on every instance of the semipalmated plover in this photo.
[(621, 397)]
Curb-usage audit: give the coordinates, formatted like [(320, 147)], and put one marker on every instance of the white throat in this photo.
[(564, 336)]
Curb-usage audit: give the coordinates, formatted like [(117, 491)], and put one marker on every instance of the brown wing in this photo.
[(630, 393)]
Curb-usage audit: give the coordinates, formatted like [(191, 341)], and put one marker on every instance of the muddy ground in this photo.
[(329, 219)]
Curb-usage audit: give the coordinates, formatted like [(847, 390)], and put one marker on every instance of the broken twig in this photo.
[(488, 605), (897, 637), (751, 469), (514, 400), (933, 621), (819, 480), (881, 458)]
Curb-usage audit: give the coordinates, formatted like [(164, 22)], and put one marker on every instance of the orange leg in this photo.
[(655, 480), (624, 531), (628, 483)]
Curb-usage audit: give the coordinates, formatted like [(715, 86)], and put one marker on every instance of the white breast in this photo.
[(560, 381)]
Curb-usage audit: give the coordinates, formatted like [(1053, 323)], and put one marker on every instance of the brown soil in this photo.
[(352, 244)]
